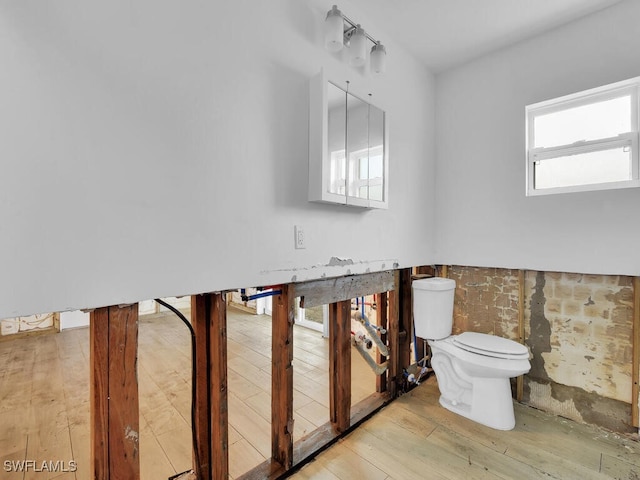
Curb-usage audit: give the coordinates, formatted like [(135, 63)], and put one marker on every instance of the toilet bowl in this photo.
[(476, 385), (472, 369)]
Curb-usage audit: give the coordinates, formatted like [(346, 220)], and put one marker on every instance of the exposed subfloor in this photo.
[(44, 395), (415, 438)]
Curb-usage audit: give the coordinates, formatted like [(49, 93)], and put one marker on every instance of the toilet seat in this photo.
[(490, 346)]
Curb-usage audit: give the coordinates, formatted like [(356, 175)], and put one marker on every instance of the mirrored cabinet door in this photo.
[(357, 151), (378, 166), (348, 159), (336, 139)]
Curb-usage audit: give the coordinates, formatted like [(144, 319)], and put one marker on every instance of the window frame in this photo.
[(629, 87)]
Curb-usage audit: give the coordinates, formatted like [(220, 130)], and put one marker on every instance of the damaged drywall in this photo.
[(577, 327), (539, 337)]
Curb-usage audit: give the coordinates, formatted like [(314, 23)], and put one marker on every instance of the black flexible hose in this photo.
[(193, 379)]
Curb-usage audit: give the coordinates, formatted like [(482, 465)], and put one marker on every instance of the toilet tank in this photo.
[(433, 307)]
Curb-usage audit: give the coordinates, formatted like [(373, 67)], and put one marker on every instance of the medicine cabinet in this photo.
[(348, 146)]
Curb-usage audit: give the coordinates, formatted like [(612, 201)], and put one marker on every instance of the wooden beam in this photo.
[(334, 290), (211, 427), (635, 421), (99, 392), (406, 318), (393, 333), (200, 306), (218, 387), (114, 392), (283, 316), (340, 365), (382, 305), (520, 379)]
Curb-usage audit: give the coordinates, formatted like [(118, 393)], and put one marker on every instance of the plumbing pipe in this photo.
[(270, 293), (362, 338), (373, 331), (365, 321), (378, 369)]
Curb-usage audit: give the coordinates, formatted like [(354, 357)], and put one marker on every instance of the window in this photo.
[(585, 141)]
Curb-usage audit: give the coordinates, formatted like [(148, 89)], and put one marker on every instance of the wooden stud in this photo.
[(382, 305), (114, 392), (99, 392), (520, 379), (200, 306), (393, 333), (283, 315), (340, 365), (218, 387), (406, 318), (209, 319), (635, 421)]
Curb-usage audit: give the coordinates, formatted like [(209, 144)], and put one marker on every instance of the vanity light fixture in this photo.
[(340, 30)]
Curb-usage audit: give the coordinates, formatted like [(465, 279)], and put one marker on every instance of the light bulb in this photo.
[(334, 30), (358, 47), (378, 59)]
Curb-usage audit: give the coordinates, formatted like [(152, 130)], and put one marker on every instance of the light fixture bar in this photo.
[(353, 27), (336, 36)]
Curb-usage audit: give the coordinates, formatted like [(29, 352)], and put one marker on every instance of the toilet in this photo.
[(472, 369)]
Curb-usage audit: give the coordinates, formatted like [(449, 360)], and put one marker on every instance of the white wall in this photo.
[(74, 319), (142, 141), (483, 216)]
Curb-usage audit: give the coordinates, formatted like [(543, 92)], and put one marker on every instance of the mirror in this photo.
[(348, 144), (358, 147), (376, 154), (336, 138)]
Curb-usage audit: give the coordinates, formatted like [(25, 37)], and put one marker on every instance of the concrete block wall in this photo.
[(577, 327)]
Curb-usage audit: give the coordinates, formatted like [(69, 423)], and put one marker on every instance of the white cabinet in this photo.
[(348, 147)]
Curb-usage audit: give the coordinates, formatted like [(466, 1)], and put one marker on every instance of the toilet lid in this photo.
[(491, 345)]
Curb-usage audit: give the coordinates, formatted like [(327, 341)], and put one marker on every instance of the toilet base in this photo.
[(491, 404)]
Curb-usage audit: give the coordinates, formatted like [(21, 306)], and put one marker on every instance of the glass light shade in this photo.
[(334, 30), (378, 59), (358, 47)]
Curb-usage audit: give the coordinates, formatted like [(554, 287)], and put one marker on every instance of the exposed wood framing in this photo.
[(114, 393), (283, 315), (520, 379), (635, 421), (333, 290), (209, 320), (340, 365), (321, 437), (444, 271), (382, 306), (405, 309), (114, 389), (399, 329)]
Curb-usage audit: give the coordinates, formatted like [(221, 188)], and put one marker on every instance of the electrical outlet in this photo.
[(300, 240)]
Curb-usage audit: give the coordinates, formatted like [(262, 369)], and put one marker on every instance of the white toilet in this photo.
[(472, 369)]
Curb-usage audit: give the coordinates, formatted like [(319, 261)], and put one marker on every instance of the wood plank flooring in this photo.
[(44, 415), (415, 438), (44, 395)]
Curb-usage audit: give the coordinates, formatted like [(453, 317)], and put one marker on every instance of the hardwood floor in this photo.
[(415, 438), (44, 415), (44, 395)]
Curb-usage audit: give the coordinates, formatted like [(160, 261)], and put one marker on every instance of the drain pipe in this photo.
[(378, 369), (373, 331)]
